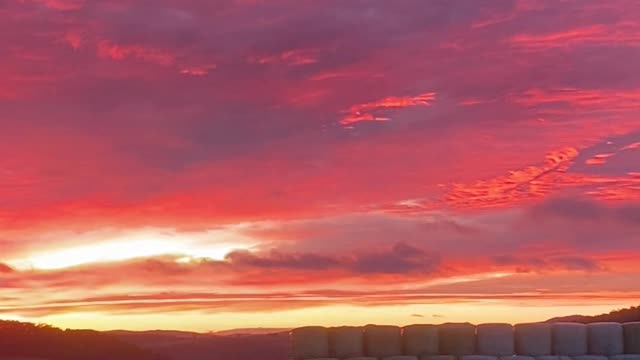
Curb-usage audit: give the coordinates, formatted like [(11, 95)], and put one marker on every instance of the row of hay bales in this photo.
[(463, 341)]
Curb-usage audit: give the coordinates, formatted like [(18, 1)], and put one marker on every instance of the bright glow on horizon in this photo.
[(334, 315)]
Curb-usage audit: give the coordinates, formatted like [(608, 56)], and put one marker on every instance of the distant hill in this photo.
[(195, 346), (624, 315), (251, 331), (21, 340)]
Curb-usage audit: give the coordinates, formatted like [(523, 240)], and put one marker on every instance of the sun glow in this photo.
[(215, 244)]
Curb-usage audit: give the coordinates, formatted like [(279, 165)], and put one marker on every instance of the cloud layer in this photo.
[(462, 152)]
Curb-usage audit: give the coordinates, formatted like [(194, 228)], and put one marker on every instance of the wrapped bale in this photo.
[(569, 339), (382, 341), (418, 340), (533, 339), (553, 357), (605, 338), (310, 342), (589, 357), (625, 357), (494, 339), (631, 337), (477, 357), (457, 339), (346, 342), (438, 357), (517, 357)]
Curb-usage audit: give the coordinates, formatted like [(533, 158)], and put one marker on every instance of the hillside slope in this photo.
[(210, 346), (27, 340), (623, 315)]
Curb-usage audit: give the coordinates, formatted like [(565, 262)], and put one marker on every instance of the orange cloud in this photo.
[(363, 112), (519, 185)]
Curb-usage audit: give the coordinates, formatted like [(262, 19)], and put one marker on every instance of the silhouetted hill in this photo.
[(181, 346), (27, 340), (251, 331), (623, 315)]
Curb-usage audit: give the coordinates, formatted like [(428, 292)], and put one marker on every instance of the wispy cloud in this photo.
[(366, 111)]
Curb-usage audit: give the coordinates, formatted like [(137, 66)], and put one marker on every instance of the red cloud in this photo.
[(598, 159), (364, 112), (290, 57), (626, 34), (107, 49), (63, 4)]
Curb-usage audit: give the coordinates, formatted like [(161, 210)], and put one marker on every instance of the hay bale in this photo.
[(438, 357), (533, 339), (625, 357), (382, 341), (553, 357), (590, 357), (346, 342), (420, 340), (457, 339), (516, 357), (477, 357), (310, 342), (494, 339), (631, 337), (605, 338), (569, 339)]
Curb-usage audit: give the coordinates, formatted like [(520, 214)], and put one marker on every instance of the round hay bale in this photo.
[(625, 357), (533, 339), (605, 338), (590, 357), (457, 339), (382, 341), (346, 342), (477, 357), (310, 342), (631, 337), (495, 339), (553, 357), (418, 340), (517, 357), (438, 357), (569, 339)]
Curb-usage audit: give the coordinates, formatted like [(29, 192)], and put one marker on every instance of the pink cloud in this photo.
[(109, 50), (363, 112)]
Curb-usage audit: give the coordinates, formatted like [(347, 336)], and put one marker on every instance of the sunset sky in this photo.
[(215, 164)]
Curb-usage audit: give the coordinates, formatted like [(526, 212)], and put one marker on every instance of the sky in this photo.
[(206, 165)]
